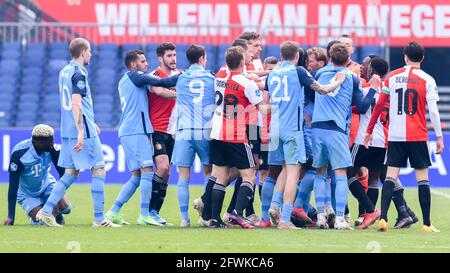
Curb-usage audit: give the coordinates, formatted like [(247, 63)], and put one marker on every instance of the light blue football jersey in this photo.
[(195, 98), (334, 106), (134, 103), (34, 169), (73, 79), (285, 85)]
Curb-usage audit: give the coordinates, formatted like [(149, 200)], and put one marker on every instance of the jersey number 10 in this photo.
[(404, 103), (66, 100)]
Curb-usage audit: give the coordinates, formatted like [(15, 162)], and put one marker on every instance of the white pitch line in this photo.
[(443, 194)]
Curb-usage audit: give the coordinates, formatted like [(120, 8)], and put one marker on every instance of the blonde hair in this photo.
[(42, 130)]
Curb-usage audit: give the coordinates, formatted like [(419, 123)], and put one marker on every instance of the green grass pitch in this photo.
[(79, 236)]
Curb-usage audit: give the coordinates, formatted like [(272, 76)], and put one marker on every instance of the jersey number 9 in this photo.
[(197, 87)]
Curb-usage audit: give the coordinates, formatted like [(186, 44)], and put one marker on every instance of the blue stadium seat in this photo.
[(272, 50), (34, 62), (108, 47), (55, 123), (106, 62), (103, 84), (211, 56), (6, 106), (25, 122), (4, 122), (102, 55), (367, 50), (152, 60), (6, 115), (36, 47), (8, 80), (11, 55), (10, 64), (25, 115), (59, 46), (151, 47), (59, 54), (128, 47), (33, 71), (104, 117), (35, 55), (103, 98), (29, 97), (56, 65), (104, 79), (31, 88), (8, 98), (181, 48), (10, 72), (103, 107), (104, 89), (30, 106), (51, 96), (6, 89), (106, 71), (32, 79), (11, 46), (50, 109), (220, 59)]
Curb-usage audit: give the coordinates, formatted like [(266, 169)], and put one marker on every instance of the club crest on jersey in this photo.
[(258, 93), (81, 85), (13, 166)]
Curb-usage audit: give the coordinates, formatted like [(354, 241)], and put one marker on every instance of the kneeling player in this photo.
[(30, 181)]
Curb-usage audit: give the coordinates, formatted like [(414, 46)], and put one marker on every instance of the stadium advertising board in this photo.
[(117, 171), (427, 22)]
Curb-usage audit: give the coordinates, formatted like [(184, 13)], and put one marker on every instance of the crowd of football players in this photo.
[(314, 121)]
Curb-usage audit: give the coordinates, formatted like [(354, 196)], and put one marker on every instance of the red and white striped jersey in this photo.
[(224, 71), (161, 110), (235, 94), (409, 89), (380, 132)]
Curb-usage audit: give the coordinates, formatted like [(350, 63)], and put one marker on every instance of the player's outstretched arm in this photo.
[(163, 92), (363, 103), (324, 89), (436, 122), (140, 80), (77, 112), (15, 168)]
